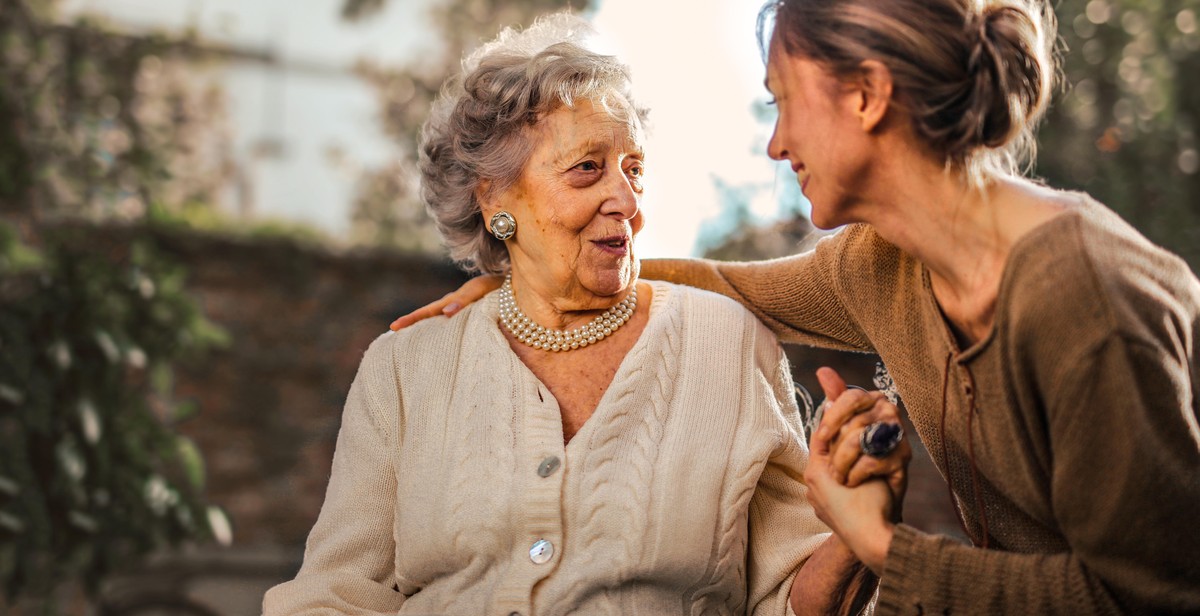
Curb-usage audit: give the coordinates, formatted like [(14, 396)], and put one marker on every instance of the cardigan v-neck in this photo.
[(451, 483)]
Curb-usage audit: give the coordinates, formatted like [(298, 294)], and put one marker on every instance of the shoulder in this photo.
[(1087, 275), (1123, 261), (716, 326), (696, 302), (405, 356), (871, 271), (441, 332), (704, 310), (411, 365)]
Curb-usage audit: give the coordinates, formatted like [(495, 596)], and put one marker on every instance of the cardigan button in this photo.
[(541, 552), (548, 466)]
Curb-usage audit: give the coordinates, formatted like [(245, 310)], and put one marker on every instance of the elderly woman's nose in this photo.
[(622, 198)]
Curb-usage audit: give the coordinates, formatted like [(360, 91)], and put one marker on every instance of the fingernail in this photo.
[(395, 325), (451, 308)]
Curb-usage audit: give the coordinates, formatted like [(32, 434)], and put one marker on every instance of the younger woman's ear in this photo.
[(875, 93)]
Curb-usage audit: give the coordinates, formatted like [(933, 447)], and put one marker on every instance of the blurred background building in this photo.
[(208, 209)]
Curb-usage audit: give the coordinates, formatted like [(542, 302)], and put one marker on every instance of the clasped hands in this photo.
[(857, 495)]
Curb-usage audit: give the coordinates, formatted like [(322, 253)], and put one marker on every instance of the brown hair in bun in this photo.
[(974, 76)]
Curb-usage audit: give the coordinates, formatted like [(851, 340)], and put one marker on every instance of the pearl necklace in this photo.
[(524, 329)]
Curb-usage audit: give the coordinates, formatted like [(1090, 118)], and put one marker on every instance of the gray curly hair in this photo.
[(477, 128)]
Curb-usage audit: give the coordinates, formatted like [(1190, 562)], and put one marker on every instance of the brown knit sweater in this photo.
[(1080, 462)]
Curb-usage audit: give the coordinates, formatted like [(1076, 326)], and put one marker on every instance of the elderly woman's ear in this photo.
[(498, 222), (488, 204)]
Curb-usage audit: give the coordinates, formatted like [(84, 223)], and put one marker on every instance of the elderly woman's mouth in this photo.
[(618, 245)]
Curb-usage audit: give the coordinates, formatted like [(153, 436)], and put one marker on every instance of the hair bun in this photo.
[(1009, 70), (973, 76)]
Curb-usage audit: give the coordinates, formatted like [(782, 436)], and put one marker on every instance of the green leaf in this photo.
[(192, 462), (162, 378), (184, 410)]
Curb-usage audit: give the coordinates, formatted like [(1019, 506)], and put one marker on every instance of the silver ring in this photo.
[(880, 439)]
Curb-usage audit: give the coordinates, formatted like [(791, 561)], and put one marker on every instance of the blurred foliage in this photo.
[(95, 124), (736, 234), (92, 472), (1126, 129), (757, 242), (388, 209), (355, 10), (102, 124), (205, 218)]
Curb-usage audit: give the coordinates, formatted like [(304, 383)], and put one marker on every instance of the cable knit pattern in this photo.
[(682, 494), (732, 539), (609, 491), (1085, 428)]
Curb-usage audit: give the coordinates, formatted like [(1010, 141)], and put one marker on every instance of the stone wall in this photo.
[(299, 319)]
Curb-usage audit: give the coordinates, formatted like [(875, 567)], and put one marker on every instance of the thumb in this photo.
[(831, 382), (833, 386)]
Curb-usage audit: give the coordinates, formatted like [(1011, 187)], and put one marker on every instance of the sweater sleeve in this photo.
[(784, 529), (348, 561), (1124, 490), (797, 297)]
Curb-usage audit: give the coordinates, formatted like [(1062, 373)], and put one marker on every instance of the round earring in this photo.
[(504, 225)]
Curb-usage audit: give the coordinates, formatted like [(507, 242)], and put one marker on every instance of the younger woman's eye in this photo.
[(772, 101)]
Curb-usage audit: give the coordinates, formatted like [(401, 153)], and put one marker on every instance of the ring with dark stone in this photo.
[(880, 439)]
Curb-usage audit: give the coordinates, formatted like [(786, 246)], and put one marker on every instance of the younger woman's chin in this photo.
[(821, 219)]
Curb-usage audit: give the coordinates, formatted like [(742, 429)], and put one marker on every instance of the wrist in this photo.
[(875, 551), (839, 550)]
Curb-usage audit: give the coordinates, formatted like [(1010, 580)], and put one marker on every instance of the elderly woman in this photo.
[(579, 441)]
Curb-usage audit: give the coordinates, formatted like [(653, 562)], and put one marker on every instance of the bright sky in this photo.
[(700, 82)]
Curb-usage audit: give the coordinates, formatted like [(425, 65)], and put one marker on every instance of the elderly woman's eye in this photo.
[(636, 171), (588, 165)]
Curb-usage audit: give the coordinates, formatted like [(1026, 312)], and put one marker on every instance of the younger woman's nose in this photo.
[(775, 147)]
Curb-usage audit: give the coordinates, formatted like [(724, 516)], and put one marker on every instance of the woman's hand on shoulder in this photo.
[(470, 292)]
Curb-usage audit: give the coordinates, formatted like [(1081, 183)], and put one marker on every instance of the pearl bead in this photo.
[(539, 337)]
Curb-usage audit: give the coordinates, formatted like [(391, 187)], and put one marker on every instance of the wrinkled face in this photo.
[(818, 132), (577, 205)]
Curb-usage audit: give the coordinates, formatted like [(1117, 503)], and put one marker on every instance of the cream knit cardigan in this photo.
[(682, 493)]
